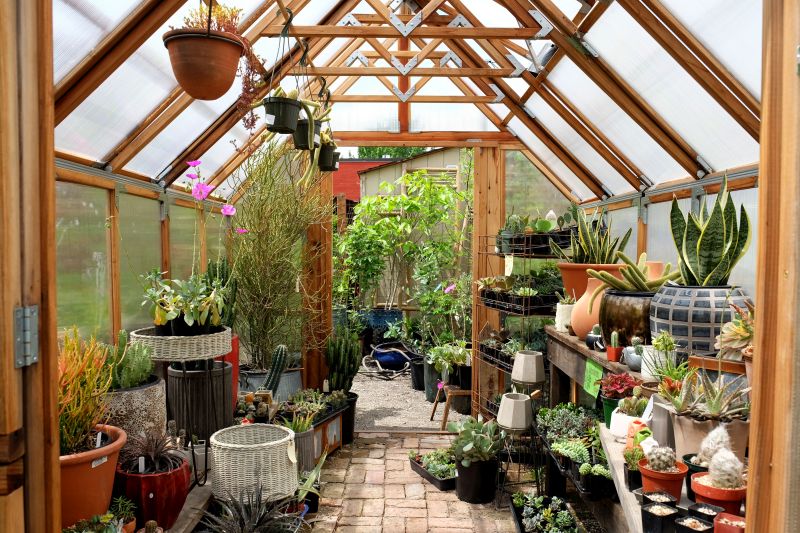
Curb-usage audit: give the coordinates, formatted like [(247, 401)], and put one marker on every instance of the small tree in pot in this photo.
[(475, 450)]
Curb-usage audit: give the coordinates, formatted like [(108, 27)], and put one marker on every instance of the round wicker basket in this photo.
[(171, 349), (249, 454)]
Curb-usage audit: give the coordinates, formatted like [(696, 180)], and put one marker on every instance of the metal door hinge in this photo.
[(26, 336)]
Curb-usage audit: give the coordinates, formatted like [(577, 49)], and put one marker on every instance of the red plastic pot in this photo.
[(721, 527), (158, 497), (614, 354), (204, 62), (669, 482), (729, 499)]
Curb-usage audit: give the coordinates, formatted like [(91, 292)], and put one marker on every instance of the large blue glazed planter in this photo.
[(693, 315)]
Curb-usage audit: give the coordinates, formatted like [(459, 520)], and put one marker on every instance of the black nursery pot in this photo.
[(349, 418), (655, 523), (705, 511), (326, 158), (693, 469), (418, 374), (657, 497), (477, 482), (682, 525), (633, 479), (300, 135), (285, 112)]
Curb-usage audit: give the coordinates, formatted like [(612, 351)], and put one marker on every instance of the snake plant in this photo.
[(593, 243), (710, 244)]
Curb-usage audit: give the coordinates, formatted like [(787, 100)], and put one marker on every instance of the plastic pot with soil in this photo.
[(477, 482)]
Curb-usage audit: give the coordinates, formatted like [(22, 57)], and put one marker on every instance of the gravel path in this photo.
[(384, 405)]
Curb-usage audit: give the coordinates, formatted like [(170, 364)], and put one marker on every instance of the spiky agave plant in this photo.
[(159, 452), (249, 512)]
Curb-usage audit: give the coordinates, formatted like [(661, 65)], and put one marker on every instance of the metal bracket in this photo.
[(642, 208), (459, 21), (26, 336), (697, 193), (497, 92), (357, 56), (704, 164), (589, 48), (405, 29), (404, 96), (518, 67), (405, 69), (349, 20), (543, 22), (450, 56)]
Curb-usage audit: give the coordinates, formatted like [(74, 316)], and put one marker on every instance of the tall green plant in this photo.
[(710, 244), (131, 363), (343, 355), (593, 243)]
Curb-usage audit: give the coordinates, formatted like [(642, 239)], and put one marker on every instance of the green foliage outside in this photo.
[(391, 152)]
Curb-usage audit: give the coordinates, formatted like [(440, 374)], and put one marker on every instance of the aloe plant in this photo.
[(593, 243), (720, 400), (710, 244)]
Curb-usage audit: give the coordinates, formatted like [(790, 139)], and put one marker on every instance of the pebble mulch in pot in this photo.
[(658, 518), (688, 524), (705, 511), (659, 497)]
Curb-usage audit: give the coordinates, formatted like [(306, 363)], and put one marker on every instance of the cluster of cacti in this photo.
[(726, 471), (280, 361), (633, 456), (633, 405), (337, 399), (661, 459), (131, 363), (573, 449), (343, 355), (601, 470), (718, 439)]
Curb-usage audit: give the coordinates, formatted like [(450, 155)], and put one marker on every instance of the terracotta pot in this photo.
[(204, 63), (689, 433), (721, 527), (614, 354), (158, 497), (627, 313), (582, 320), (130, 527), (575, 277), (669, 482), (87, 478), (729, 499)]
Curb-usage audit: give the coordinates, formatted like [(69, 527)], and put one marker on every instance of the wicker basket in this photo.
[(249, 454), (171, 349)]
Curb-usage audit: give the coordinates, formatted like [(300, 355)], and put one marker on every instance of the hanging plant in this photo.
[(328, 156)]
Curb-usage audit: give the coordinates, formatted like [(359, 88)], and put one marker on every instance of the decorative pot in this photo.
[(158, 497), (233, 358), (281, 114), (693, 315), (291, 382), (528, 367), (631, 358), (594, 341), (300, 135), (689, 433), (129, 527), (627, 313), (204, 62), (669, 482), (729, 523), (477, 482), (138, 410), (87, 478), (563, 316), (582, 320), (515, 414), (614, 354), (349, 418), (576, 279), (379, 320), (251, 380), (693, 469), (729, 499), (304, 446), (326, 158), (432, 378), (200, 399), (609, 406), (619, 424)]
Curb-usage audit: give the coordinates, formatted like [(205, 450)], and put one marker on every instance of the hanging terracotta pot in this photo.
[(581, 319), (204, 62)]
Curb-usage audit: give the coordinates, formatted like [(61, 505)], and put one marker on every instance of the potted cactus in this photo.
[(563, 311), (716, 440), (614, 350), (475, 449), (709, 245), (151, 527), (628, 410), (343, 355), (265, 375), (662, 471), (724, 483)]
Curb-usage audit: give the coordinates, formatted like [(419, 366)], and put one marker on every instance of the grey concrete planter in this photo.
[(139, 410)]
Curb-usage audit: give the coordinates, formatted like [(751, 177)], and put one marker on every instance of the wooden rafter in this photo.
[(441, 72), (431, 32), (443, 99), (112, 51), (428, 138)]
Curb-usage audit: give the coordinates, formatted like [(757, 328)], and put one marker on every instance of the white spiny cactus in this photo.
[(715, 441), (726, 470)]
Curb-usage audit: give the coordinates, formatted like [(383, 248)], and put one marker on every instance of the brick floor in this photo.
[(369, 487)]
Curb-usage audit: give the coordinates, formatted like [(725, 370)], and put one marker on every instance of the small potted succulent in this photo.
[(724, 483), (658, 518), (633, 477), (437, 467), (475, 450), (628, 410), (564, 311), (614, 350), (715, 441), (729, 523), (660, 355), (632, 355), (124, 509), (614, 387), (151, 526), (662, 471), (510, 237), (688, 524)]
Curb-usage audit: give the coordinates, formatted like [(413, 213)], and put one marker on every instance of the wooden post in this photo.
[(774, 477), (113, 245), (341, 213)]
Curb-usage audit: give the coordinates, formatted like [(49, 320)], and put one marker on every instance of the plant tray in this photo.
[(516, 512), (495, 357), (441, 484), (171, 349), (541, 304)]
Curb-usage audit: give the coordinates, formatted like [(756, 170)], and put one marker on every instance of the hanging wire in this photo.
[(283, 47)]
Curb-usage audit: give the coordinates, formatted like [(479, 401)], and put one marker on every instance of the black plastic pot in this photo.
[(681, 527), (349, 418), (432, 378), (326, 158), (477, 482), (300, 135), (693, 469), (441, 484), (711, 511), (285, 112), (652, 523), (312, 500), (633, 479), (200, 398), (648, 497), (418, 375)]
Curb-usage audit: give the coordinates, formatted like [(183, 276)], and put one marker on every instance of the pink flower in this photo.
[(200, 191), (242, 231), (440, 384), (228, 210), (450, 288), (195, 163), (192, 175)]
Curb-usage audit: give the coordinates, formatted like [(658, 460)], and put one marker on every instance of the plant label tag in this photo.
[(509, 265), (290, 452), (269, 119), (141, 464), (326, 387), (591, 374), (98, 462), (99, 440), (316, 139), (648, 411)]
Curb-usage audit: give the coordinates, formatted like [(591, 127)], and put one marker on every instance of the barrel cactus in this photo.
[(726, 471), (280, 361), (661, 459)]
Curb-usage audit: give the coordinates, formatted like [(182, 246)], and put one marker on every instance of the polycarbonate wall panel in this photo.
[(549, 158), (660, 245), (730, 30), (621, 221), (671, 91), (79, 26), (609, 118), (574, 144), (182, 247), (140, 252), (528, 191), (82, 260), (448, 117)]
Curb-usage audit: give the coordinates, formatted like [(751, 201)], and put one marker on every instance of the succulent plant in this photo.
[(718, 439), (661, 459), (573, 449), (601, 470), (476, 440), (614, 339), (725, 470), (618, 385), (634, 277), (633, 405), (151, 526), (585, 469), (718, 400), (343, 355), (664, 342), (280, 361), (632, 457), (737, 335), (592, 243), (132, 363)]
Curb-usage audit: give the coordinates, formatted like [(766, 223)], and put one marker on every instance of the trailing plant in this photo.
[(634, 277), (476, 440), (131, 363), (593, 243), (709, 244), (251, 512), (159, 453), (84, 378), (618, 385), (632, 457)]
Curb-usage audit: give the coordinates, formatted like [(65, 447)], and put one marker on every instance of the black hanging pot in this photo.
[(327, 157), (301, 134), (282, 114)]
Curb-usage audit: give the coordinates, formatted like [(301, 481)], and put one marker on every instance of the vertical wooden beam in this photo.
[(341, 213), (774, 477), (113, 245)]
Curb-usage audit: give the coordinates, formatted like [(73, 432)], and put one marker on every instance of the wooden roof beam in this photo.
[(431, 32), (439, 72)]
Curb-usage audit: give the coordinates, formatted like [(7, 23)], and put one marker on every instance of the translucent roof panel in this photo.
[(80, 25), (219, 153), (730, 30), (359, 116), (609, 118), (671, 91), (440, 117), (550, 159), (578, 147), (367, 85), (440, 87)]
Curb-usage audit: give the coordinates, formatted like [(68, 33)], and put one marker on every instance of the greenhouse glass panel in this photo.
[(621, 221), (729, 30), (660, 245), (671, 91), (528, 191), (577, 146), (183, 247), (82, 260), (440, 117), (216, 229), (351, 116), (609, 118), (140, 252)]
